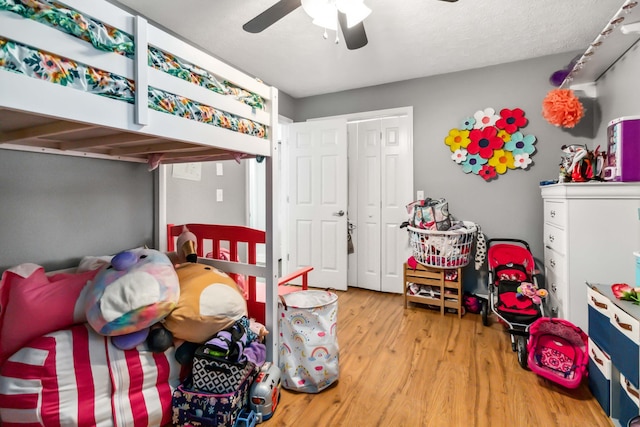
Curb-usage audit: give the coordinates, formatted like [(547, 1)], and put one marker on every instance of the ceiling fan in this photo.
[(350, 15)]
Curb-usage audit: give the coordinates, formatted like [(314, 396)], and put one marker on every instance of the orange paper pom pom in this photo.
[(562, 108)]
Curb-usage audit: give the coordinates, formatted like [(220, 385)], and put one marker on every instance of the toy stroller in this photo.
[(514, 296), (558, 351)]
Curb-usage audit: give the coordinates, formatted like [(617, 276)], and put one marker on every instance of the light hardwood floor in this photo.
[(414, 367)]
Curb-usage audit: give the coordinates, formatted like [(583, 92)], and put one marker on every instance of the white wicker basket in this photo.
[(443, 249)]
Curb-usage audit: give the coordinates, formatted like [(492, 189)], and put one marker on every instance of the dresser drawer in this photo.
[(555, 238), (625, 344), (553, 307), (600, 376), (629, 404), (599, 307), (555, 212)]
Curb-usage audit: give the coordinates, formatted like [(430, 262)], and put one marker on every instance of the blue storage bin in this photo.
[(624, 345), (600, 376), (599, 319), (628, 401)]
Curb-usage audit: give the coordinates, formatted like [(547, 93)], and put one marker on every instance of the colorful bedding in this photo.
[(77, 377), (30, 61)]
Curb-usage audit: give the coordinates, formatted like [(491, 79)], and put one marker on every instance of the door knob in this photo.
[(339, 213)]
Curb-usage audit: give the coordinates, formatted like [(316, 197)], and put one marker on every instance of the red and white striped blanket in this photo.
[(76, 377)]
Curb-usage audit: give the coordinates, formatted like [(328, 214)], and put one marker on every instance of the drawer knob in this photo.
[(551, 238), (554, 310), (599, 304), (552, 214), (625, 326), (554, 288), (552, 263)]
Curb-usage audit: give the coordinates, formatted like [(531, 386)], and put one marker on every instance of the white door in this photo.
[(396, 170), (369, 203), (318, 201), (385, 186)]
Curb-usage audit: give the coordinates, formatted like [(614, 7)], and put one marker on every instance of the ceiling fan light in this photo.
[(313, 8), (327, 20), (355, 10)]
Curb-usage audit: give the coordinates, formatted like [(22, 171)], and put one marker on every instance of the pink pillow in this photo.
[(34, 304)]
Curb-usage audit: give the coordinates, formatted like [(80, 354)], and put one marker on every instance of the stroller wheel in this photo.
[(521, 343), (484, 311)]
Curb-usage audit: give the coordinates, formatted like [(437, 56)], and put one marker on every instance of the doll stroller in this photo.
[(514, 296)]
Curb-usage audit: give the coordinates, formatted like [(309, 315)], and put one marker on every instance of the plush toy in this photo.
[(136, 290), (210, 301), (529, 290), (186, 245)]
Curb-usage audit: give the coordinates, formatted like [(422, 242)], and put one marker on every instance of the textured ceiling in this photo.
[(407, 38)]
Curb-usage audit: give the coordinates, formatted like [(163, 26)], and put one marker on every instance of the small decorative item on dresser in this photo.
[(625, 292)]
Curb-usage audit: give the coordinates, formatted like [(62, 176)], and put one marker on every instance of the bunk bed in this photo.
[(89, 79)]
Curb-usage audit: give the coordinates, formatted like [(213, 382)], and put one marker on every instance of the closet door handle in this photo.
[(339, 213)]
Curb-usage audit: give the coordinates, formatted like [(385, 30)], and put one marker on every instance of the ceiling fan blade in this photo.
[(271, 15), (354, 37)]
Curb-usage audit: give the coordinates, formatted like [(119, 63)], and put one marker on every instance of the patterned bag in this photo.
[(216, 374), (198, 408), (308, 340), (430, 214)]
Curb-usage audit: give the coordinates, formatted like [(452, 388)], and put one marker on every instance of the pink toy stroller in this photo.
[(558, 351), (514, 296)]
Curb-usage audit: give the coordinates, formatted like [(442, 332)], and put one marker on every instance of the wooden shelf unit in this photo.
[(450, 291)]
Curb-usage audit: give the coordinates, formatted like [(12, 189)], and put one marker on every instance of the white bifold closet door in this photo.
[(384, 186)]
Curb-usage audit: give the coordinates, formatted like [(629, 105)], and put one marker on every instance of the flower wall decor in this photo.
[(489, 144)]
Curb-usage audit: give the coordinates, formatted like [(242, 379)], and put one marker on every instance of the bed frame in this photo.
[(242, 243), (41, 116)]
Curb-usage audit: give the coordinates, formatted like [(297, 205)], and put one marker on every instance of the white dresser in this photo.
[(590, 233)]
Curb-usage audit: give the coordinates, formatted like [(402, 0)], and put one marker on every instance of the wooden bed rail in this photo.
[(242, 243)]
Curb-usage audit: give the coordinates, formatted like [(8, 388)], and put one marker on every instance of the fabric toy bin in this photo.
[(600, 376), (443, 249), (193, 407), (625, 344), (308, 340), (599, 313), (629, 402)]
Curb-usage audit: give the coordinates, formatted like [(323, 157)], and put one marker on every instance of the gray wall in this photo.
[(56, 209), (195, 201), (509, 206), (286, 105), (47, 201), (619, 91)]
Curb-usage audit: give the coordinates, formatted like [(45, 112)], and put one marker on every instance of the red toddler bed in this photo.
[(241, 242)]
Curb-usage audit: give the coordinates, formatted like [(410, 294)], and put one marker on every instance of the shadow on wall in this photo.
[(587, 127)]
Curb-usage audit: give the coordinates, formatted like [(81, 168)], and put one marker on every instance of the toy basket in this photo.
[(443, 249)]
